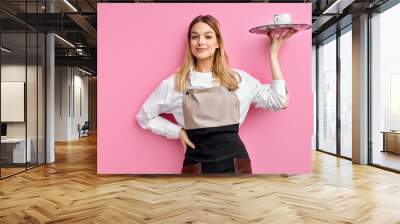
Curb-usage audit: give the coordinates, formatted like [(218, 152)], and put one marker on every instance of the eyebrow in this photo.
[(205, 32)]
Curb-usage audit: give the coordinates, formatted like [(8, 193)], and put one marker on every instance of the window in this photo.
[(346, 75), (327, 96), (385, 89)]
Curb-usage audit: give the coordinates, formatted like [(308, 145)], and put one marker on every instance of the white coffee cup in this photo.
[(283, 18)]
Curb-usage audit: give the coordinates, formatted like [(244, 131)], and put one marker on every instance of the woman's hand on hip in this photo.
[(185, 140)]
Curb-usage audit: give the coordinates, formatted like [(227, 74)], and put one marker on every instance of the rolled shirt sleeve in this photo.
[(157, 103), (268, 96)]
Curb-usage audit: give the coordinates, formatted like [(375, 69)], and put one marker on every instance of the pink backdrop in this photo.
[(139, 45)]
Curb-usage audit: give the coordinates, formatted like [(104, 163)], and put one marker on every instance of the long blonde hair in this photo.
[(221, 68)]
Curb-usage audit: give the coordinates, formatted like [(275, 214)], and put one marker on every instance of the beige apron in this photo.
[(211, 117)]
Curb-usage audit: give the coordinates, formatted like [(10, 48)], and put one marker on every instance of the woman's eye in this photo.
[(209, 37), (193, 37)]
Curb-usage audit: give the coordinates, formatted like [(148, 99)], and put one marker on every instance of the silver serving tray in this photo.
[(267, 28)]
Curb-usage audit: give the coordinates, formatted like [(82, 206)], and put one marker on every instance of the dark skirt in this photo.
[(218, 150)]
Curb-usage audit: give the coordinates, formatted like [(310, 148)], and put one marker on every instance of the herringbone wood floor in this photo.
[(70, 191)]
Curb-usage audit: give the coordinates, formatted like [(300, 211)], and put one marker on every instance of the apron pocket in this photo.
[(194, 168), (242, 165)]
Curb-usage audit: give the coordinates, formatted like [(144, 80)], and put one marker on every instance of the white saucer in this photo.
[(267, 28)]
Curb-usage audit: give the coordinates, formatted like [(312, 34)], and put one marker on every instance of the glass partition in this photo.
[(13, 109), (22, 88)]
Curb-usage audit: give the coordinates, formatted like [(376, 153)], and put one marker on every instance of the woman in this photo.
[(209, 101)]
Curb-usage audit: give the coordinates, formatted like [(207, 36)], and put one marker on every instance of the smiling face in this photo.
[(203, 41), (205, 49)]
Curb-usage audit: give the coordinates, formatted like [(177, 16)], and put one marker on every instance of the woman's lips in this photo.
[(201, 49)]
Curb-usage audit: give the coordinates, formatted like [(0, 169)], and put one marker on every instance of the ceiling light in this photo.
[(70, 5), (337, 7), (5, 49), (84, 71), (65, 41)]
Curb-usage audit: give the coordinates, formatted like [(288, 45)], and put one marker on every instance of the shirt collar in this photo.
[(200, 79)]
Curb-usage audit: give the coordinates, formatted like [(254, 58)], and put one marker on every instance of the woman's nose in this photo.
[(201, 41)]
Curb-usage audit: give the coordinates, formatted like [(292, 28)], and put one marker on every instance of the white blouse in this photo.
[(165, 99)]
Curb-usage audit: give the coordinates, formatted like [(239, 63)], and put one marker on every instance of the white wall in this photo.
[(71, 93), (61, 103), (14, 73), (50, 93), (79, 117), (17, 73)]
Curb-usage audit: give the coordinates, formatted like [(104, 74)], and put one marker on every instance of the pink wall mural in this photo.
[(141, 44)]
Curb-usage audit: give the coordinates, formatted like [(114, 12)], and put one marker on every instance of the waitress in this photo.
[(210, 100)]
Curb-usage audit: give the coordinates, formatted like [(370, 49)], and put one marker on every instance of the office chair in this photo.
[(84, 130)]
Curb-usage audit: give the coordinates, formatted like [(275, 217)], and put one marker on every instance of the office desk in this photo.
[(391, 141), (13, 150)]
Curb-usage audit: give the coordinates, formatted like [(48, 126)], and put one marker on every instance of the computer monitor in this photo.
[(3, 129)]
